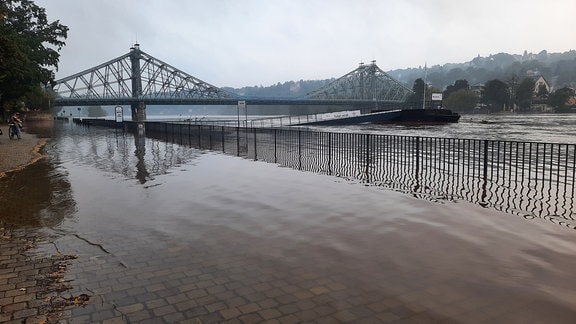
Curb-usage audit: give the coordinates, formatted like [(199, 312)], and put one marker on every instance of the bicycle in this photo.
[(13, 131)]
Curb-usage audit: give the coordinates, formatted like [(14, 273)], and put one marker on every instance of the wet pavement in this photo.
[(31, 285), (209, 238), (17, 153)]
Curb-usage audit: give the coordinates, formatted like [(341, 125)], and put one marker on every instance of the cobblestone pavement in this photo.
[(31, 284), (217, 276)]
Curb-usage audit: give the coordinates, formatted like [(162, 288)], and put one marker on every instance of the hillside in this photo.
[(558, 68)]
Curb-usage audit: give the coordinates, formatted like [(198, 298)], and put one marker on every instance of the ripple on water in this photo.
[(220, 209)]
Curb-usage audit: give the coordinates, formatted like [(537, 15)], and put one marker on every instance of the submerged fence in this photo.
[(523, 178)]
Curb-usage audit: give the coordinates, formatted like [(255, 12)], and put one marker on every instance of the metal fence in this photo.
[(524, 178), (528, 179)]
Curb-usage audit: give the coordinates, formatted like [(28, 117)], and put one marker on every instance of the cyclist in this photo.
[(15, 126)]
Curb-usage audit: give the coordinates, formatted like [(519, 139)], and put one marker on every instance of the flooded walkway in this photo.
[(16, 154), (166, 233)]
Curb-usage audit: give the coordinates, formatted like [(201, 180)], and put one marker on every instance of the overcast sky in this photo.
[(261, 42)]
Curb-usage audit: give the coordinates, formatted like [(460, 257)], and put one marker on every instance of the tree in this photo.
[(418, 93), (462, 100), (559, 98), (496, 94), (458, 85), (525, 93), (29, 49)]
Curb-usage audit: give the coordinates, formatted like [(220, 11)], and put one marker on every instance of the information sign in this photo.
[(119, 114)]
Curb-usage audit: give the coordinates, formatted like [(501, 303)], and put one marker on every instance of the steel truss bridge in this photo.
[(138, 79)]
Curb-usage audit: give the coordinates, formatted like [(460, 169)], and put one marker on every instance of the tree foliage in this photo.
[(458, 85), (418, 93), (524, 93), (463, 100), (558, 68), (559, 98), (29, 49), (496, 94)]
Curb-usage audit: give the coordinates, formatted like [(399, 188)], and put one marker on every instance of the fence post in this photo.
[(223, 146), (367, 171), (485, 160), (417, 158), (330, 153), (255, 149), (299, 150), (238, 141), (210, 135), (275, 147), (485, 178)]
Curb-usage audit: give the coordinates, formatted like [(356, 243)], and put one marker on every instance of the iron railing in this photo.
[(528, 179)]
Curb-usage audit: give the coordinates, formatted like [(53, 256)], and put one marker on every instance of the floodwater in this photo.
[(545, 128), (168, 233)]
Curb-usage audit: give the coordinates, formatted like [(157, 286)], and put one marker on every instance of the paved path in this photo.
[(29, 284), (16, 154)]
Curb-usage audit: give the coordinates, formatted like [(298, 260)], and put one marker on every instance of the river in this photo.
[(546, 128), (167, 233)]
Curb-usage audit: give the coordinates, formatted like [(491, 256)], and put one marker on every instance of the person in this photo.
[(17, 124)]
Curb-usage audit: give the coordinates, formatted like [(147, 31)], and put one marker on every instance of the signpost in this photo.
[(241, 105), (437, 97), (119, 113)]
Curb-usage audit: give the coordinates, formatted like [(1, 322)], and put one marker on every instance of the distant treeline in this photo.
[(559, 69)]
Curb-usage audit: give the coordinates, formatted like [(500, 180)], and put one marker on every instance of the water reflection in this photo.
[(522, 178), (252, 232), (133, 156), (141, 173), (39, 195)]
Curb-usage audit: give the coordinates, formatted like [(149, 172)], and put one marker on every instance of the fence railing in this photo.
[(524, 178)]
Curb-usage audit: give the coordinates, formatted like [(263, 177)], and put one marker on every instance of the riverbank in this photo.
[(31, 283), (17, 154)]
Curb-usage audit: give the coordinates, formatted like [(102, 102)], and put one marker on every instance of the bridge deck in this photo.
[(223, 102)]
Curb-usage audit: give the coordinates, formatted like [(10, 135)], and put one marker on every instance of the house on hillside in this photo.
[(540, 83), (478, 88), (542, 88), (540, 105)]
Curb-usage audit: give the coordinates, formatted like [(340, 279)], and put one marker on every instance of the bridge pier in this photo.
[(139, 116), (138, 112)]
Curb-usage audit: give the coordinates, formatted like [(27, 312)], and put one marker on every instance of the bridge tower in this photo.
[(367, 82), (136, 79), (138, 108)]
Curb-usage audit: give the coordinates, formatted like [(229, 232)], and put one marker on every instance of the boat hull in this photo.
[(400, 116), (422, 116)]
